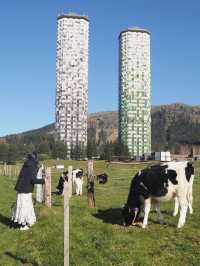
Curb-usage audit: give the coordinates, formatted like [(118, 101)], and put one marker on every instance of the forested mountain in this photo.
[(175, 127)]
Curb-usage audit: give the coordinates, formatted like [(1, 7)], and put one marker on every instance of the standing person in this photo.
[(23, 213)]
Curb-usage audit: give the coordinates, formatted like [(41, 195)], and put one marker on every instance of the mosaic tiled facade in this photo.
[(135, 91), (72, 80)]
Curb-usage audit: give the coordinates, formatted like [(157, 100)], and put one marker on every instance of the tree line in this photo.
[(16, 147)]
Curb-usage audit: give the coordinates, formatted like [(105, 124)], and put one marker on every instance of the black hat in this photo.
[(32, 156)]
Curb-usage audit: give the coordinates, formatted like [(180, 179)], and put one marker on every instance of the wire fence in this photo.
[(14, 170), (10, 170)]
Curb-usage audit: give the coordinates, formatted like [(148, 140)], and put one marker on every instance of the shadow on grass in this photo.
[(22, 260), (5, 220), (114, 216), (56, 193), (169, 213), (164, 223), (110, 216)]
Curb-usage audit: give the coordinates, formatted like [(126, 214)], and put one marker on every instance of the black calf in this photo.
[(62, 179), (102, 178)]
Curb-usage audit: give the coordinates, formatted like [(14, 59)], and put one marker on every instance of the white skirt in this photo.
[(23, 212)]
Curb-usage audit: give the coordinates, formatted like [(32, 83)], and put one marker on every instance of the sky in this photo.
[(28, 54)]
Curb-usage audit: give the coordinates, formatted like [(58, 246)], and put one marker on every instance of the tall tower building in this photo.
[(72, 80), (135, 90)]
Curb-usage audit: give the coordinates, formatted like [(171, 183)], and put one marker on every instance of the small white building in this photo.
[(163, 156), (60, 167)]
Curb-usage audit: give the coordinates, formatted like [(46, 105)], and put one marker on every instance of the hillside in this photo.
[(175, 127)]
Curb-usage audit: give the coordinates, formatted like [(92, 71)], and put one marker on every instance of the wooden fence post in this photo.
[(15, 170), (70, 180), (18, 169), (67, 195), (1, 169), (39, 187), (4, 169), (47, 188), (9, 170), (90, 184)]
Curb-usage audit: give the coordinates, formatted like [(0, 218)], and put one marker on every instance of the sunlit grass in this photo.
[(96, 235)]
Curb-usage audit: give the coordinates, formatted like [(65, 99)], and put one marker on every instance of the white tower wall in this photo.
[(72, 80), (135, 90)]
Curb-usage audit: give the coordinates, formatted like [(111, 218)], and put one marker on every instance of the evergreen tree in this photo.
[(107, 151), (13, 153), (4, 152), (59, 150), (91, 148)]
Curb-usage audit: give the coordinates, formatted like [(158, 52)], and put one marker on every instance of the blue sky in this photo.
[(28, 51)]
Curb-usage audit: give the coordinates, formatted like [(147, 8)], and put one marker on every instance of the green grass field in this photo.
[(96, 235)]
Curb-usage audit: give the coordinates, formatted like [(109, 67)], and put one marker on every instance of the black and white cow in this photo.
[(102, 178), (77, 178), (77, 173), (156, 184)]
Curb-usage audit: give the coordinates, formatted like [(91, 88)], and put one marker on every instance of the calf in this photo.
[(76, 173), (158, 183), (77, 178), (189, 172), (62, 179), (102, 178)]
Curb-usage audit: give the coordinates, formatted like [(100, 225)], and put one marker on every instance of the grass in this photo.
[(96, 235)]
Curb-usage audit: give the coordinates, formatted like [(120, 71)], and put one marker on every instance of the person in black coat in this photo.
[(28, 175), (23, 213)]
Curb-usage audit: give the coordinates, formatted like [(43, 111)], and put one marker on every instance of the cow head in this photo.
[(129, 215), (189, 171)]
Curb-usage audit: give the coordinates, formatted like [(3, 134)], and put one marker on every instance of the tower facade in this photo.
[(135, 91), (72, 80)]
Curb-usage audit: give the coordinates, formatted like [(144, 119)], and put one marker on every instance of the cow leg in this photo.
[(190, 197), (176, 205), (183, 211), (160, 215), (147, 207), (190, 200), (80, 188), (77, 188)]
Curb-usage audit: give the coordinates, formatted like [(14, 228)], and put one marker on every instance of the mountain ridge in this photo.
[(173, 125)]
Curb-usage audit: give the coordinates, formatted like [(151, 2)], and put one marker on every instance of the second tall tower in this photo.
[(135, 91)]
